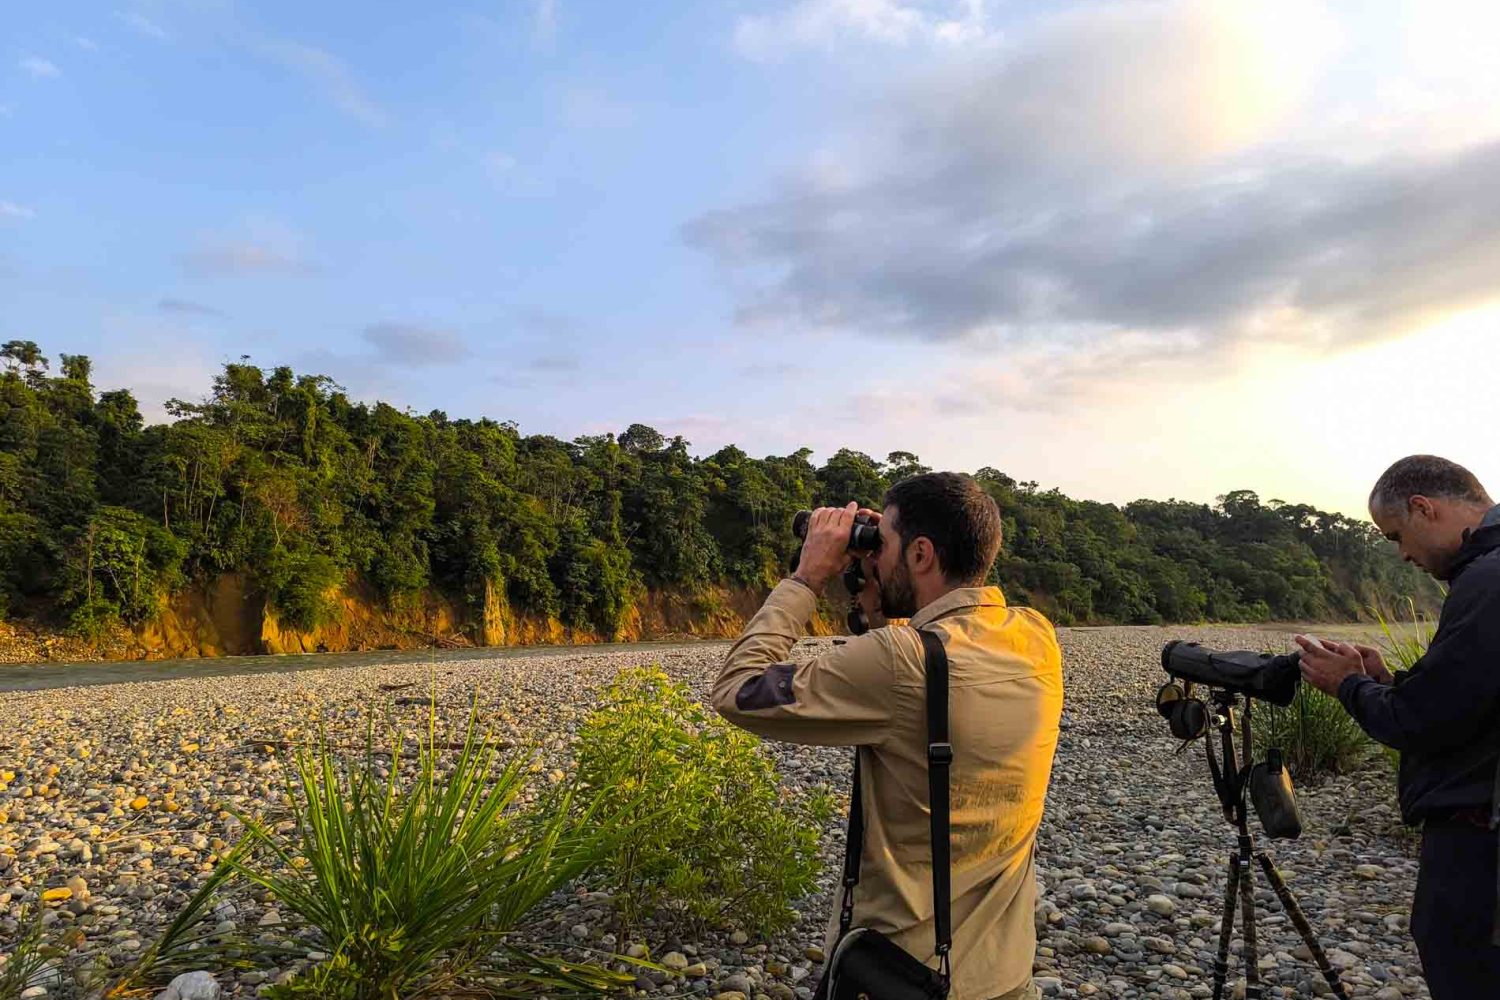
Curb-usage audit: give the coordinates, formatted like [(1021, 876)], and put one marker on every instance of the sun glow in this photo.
[(1349, 415)]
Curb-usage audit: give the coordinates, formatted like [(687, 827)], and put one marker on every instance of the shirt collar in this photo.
[(953, 600), (1492, 517)]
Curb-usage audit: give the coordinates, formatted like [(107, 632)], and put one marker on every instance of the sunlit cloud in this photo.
[(1079, 200), (826, 23)]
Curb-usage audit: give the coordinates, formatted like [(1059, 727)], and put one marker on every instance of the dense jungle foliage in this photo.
[(283, 478)]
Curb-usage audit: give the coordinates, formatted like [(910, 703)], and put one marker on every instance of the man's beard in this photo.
[(897, 598)]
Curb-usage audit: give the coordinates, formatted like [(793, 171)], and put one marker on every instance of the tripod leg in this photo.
[(1247, 905), (1299, 920), (1221, 964)]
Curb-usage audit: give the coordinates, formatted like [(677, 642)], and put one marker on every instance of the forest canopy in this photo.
[(283, 478)]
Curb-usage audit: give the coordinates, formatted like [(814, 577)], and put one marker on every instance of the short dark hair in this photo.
[(1428, 476), (954, 513)]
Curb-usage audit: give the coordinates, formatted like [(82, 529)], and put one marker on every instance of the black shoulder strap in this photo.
[(939, 759), (854, 840)]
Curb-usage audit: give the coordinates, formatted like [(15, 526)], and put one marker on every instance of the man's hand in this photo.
[(825, 550), (1374, 664), (1325, 664)]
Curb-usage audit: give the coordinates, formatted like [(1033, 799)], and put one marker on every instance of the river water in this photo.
[(49, 674)]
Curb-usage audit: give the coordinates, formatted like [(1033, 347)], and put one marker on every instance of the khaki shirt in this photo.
[(1006, 695)]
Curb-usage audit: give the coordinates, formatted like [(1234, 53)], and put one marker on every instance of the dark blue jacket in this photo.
[(1444, 713)]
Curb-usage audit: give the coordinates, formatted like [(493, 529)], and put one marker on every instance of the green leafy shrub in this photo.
[(94, 619), (119, 570), (299, 584), (726, 844), (1315, 733), (410, 870)]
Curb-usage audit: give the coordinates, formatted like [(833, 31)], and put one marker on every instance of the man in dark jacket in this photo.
[(1443, 715)]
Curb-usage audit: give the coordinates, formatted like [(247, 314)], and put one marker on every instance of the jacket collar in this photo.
[(1477, 541), (954, 600)]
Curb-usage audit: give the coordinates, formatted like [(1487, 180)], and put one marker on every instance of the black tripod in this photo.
[(1230, 783)]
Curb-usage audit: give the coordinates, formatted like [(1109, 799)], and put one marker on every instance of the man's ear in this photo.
[(1420, 505), (923, 555)]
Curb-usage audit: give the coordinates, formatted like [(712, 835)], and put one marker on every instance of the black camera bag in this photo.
[(865, 963)]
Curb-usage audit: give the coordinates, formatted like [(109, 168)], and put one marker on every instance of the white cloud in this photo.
[(10, 210), (41, 69), (143, 24), (1115, 184), (239, 257), (824, 23), (186, 307), (85, 43), (258, 246), (409, 344), (544, 28), (329, 74)]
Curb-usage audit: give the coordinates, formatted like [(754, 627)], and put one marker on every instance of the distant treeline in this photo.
[(284, 479)]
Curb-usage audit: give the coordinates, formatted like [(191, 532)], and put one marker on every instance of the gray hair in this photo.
[(1428, 476)]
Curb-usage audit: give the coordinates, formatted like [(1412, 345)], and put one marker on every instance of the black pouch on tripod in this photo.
[(865, 964), (1275, 802)]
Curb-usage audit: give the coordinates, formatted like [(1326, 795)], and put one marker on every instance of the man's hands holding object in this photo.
[(1326, 663), (825, 549)]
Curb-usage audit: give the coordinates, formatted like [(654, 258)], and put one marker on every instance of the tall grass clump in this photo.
[(1314, 732), (1403, 644), (712, 839), (188, 942), (410, 868), (27, 959)]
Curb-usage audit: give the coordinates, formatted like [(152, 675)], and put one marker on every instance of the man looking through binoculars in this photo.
[(938, 535)]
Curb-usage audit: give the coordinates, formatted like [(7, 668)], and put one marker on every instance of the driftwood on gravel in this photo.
[(455, 641), (270, 746)]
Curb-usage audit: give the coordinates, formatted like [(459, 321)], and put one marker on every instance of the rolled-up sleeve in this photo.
[(839, 698)]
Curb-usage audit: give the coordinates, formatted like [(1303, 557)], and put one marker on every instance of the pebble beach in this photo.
[(116, 798)]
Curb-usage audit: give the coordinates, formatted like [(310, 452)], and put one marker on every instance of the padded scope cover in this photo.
[(1257, 675)]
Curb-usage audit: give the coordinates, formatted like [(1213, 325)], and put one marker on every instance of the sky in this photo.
[(1127, 248)]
